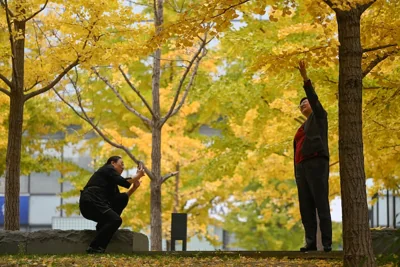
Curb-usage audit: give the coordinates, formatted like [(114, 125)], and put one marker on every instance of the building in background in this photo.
[(40, 192)]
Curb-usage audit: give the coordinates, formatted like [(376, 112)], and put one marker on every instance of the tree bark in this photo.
[(155, 186), (13, 156), (13, 161), (356, 232)]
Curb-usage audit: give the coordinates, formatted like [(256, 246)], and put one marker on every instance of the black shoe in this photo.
[(91, 250), (327, 248), (308, 248)]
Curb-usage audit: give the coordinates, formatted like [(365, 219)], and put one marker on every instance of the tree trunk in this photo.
[(13, 160), (356, 232), (156, 219), (155, 222), (13, 156)]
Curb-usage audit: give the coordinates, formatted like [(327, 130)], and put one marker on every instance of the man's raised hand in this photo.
[(303, 70)]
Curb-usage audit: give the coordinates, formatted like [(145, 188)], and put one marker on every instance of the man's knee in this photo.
[(114, 219), (117, 222)]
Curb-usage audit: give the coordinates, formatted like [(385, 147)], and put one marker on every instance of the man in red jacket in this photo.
[(311, 167)]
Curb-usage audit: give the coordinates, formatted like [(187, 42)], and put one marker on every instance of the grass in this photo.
[(143, 261)]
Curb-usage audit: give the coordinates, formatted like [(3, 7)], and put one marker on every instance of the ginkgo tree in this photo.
[(321, 52), (34, 59), (154, 121)]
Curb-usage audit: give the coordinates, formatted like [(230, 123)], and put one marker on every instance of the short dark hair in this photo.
[(304, 98), (113, 159)]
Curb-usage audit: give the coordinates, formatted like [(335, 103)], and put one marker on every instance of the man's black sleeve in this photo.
[(312, 97), (112, 174)]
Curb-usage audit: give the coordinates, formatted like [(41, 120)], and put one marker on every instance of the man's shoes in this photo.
[(98, 250), (308, 248), (327, 248)]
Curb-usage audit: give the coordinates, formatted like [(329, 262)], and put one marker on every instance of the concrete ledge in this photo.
[(67, 242)]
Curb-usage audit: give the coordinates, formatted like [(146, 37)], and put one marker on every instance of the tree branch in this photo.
[(136, 91), (376, 61), (367, 5), (329, 80), (53, 83), (329, 3), (33, 85), (12, 45), (5, 80), (392, 146), (370, 49), (37, 12), (128, 107), (5, 91), (86, 118), (333, 164), (188, 86), (4, 5), (182, 80), (167, 176), (224, 10)]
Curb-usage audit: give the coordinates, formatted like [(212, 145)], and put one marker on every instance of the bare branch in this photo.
[(128, 107), (385, 126), (182, 80), (367, 5), (370, 49), (12, 45), (53, 83), (4, 5), (376, 61), (329, 3), (188, 86), (333, 164), (136, 91), (34, 84), (5, 91), (37, 12), (392, 146), (167, 176), (224, 10), (299, 120), (43, 33), (5, 80), (329, 80), (84, 116)]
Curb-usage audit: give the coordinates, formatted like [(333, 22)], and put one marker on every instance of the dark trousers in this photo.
[(107, 222), (312, 176)]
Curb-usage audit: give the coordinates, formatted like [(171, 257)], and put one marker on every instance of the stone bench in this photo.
[(67, 242)]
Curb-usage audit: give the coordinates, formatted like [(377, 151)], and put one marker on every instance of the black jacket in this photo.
[(103, 186), (315, 127)]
